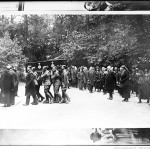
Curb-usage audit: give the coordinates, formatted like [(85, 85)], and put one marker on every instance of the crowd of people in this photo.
[(56, 77), (100, 79), (107, 79)]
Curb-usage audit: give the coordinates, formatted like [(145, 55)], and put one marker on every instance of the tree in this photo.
[(10, 51)]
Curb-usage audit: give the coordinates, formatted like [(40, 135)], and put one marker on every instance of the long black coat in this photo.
[(7, 86), (110, 81), (30, 84), (126, 84), (91, 77)]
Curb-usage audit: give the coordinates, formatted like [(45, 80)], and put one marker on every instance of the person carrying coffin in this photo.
[(56, 78), (30, 88), (47, 84), (64, 86)]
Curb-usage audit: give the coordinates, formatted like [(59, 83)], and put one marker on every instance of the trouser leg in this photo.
[(46, 91), (12, 98), (27, 99), (34, 99), (111, 95)]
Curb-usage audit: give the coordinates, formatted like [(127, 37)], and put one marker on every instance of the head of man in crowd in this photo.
[(45, 68), (103, 68), (109, 68), (33, 68), (54, 68), (29, 69)]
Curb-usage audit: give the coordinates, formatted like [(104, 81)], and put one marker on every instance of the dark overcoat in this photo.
[(80, 80), (126, 84), (91, 77), (110, 81), (7, 86), (30, 84)]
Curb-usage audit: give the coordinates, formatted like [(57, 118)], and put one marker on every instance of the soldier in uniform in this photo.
[(64, 85), (7, 86), (103, 79), (56, 78), (91, 77), (30, 88), (80, 78), (74, 77), (85, 71), (125, 82), (39, 95), (47, 84), (97, 79)]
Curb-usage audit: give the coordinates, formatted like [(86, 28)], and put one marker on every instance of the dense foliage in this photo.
[(81, 39)]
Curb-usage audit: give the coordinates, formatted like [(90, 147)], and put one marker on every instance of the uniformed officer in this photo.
[(47, 84), (64, 85)]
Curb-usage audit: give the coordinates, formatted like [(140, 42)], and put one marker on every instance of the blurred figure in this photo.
[(7, 86), (74, 76), (91, 77), (30, 88), (133, 81), (143, 88), (136, 80), (47, 84), (56, 79), (85, 71), (110, 82), (81, 78), (97, 79), (16, 76), (64, 86), (38, 83), (69, 77), (125, 82), (146, 72)]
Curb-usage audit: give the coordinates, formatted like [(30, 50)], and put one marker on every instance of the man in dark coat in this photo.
[(74, 77), (30, 87), (85, 70), (97, 80), (7, 87), (103, 78), (110, 82), (16, 78), (16, 82), (91, 77), (125, 82), (80, 76)]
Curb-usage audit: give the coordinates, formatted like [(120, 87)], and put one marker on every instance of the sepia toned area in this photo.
[(74, 137)]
